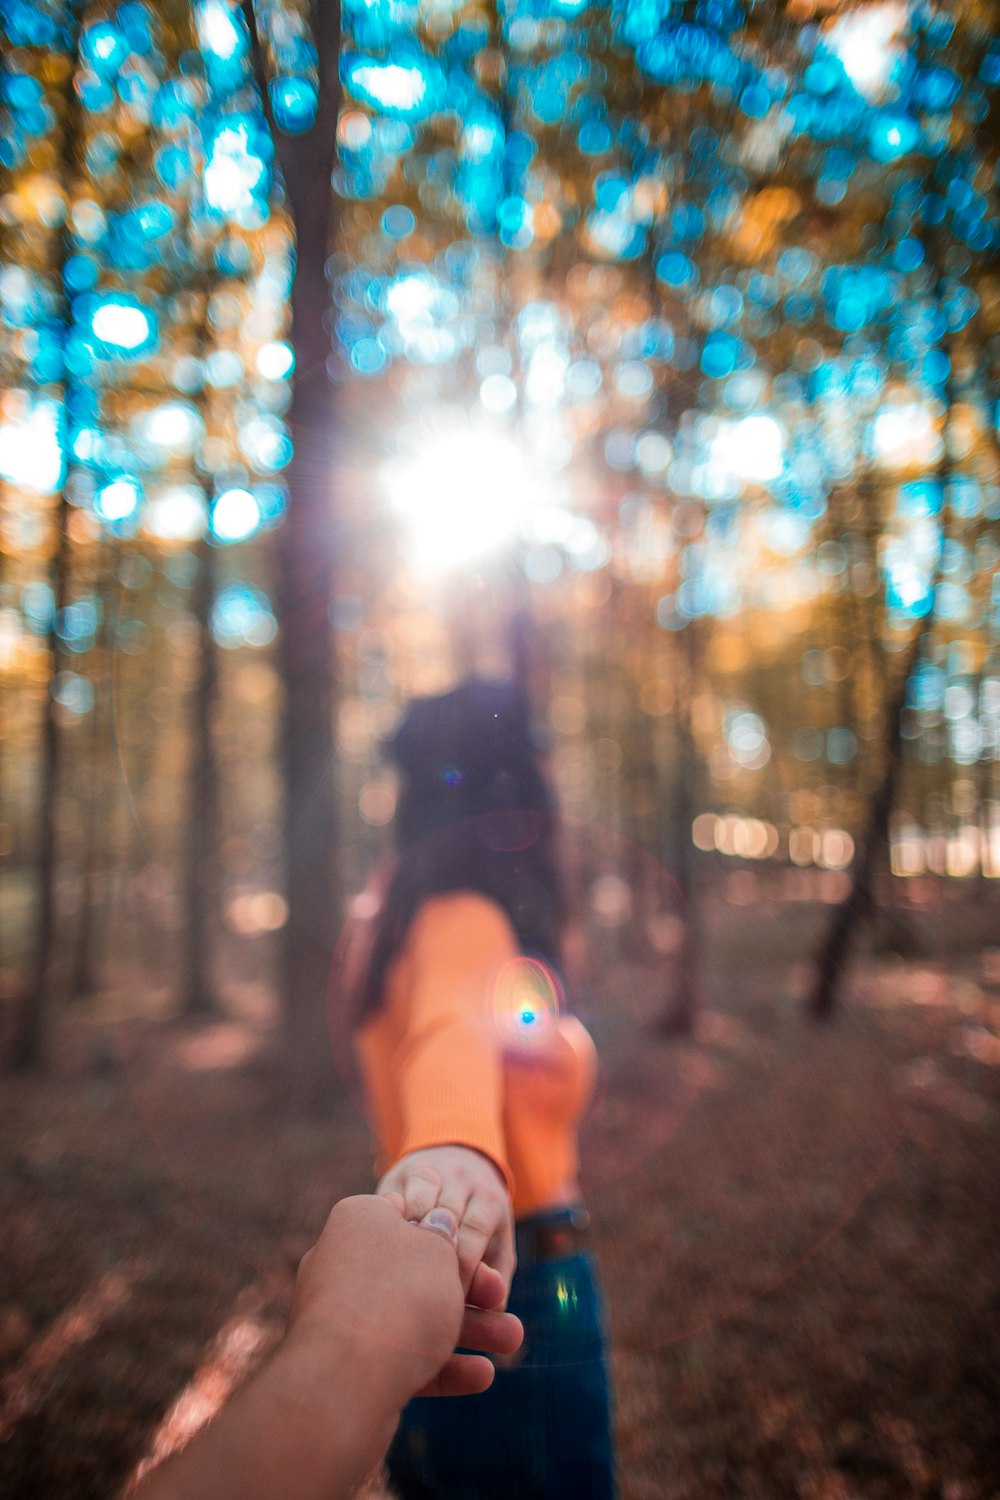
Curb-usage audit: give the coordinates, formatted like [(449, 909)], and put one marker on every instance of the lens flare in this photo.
[(527, 999)]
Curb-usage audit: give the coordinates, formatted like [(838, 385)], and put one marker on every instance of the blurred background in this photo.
[(644, 351)]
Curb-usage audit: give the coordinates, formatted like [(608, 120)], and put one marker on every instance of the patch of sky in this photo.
[(76, 625), (174, 166), (232, 256), (866, 376), (841, 745), (368, 356), (118, 325), (409, 85), (294, 102), (755, 100), (223, 42), (377, 23), (28, 24), (398, 221), (594, 138), (46, 357), (118, 501), (795, 264), (583, 379), (73, 692), (919, 497), (176, 513), (676, 269), (136, 22), (724, 306), (175, 104), (266, 444), (745, 390), (234, 515), (482, 135), (24, 96), (223, 369), (855, 296), (136, 89), (908, 254), (722, 353), (935, 89), (989, 68), (722, 203), (908, 586), (965, 496), (236, 175), (548, 86), (653, 339), (686, 223), (242, 616), (96, 94), (514, 219), (104, 48), (823, 119), (954, 602), (892, 136), (960, 304)]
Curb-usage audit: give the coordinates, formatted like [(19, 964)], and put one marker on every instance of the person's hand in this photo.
[(386, 1294), (376, 1313), (472, 1187)]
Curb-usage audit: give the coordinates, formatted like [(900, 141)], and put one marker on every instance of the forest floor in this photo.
[(799, 1226)]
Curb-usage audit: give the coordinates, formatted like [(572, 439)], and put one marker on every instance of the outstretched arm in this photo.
[(449, 1067), (378, 1309)]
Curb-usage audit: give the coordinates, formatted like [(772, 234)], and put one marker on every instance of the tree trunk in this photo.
[(305, 582), (83, 978), (31, 1015), (683, 1002), (873, 850), (858, 904), (31, 1019), (200, 875)]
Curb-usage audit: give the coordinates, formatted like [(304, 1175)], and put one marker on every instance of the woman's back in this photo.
[(468, 1045)]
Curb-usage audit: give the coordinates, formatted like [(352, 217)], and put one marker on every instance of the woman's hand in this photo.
[(473, 1188)]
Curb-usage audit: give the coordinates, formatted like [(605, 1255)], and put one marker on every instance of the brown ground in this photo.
[(799, 1228)]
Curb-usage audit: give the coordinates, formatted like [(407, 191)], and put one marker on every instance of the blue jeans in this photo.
[(543, 1429)]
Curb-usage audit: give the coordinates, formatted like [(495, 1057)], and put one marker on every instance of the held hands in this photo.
[(384, 1295), (466, 1182), (376, 1314)]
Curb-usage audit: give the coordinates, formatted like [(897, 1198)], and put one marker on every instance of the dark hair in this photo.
[(475, 813)]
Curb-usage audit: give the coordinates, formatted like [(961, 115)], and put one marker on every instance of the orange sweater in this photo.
[(465, 1050)]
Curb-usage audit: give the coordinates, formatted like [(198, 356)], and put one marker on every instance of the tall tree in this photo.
[(31, 1021), (305, 549)]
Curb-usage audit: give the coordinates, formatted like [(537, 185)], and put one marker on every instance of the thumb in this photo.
[(441, 1221)]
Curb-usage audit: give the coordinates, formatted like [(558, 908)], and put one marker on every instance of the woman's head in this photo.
[(467, 754), (475, 812)]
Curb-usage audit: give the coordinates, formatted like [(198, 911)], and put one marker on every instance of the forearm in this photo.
[(310, 1426)]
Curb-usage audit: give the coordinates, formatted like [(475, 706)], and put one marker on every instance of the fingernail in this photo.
[(442, 1221)]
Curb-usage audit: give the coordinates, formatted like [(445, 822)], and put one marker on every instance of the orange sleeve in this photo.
[(449, 1062)]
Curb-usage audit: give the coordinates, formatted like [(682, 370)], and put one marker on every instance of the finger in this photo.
[(485, 1234), (461, 1375), (474, 1235), (441, 1221), (498, 1263), (420, 1191), (491, 1332), (455, 1196), (488, 1288), (501, 1254), (396, 1199)]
